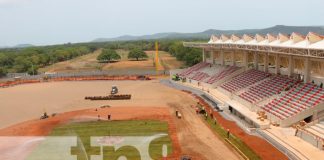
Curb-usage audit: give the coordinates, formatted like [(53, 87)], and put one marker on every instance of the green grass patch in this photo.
[(244, 148), (122, 129)]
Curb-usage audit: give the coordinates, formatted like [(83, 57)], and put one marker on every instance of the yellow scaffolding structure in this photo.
[(157, 60)]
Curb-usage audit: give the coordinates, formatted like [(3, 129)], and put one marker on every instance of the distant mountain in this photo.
[(17, 46), (3, 47), (23, 46), (206, 34)]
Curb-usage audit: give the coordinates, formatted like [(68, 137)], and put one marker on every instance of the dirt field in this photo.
[(167, 61), (89, 63), (155, 100), (82, 63), (52, 97)]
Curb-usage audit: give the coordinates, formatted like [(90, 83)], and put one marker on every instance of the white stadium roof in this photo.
[(295, 40), (311, 45)]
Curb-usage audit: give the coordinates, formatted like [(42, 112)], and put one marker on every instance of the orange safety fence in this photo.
[(13, 83), (84, 78)]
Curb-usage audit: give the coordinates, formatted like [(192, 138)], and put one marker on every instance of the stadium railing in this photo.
[(291, 155)]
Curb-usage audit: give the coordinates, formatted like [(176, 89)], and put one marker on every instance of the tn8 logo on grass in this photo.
[(123, 147)]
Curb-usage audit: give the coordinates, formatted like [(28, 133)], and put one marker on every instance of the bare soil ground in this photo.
[(167, 61), (264, 149), (196, 139), (83, 63), (55, 97), (89, 63), (151, 100)]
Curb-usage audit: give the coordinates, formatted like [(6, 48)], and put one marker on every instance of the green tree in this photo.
[(108, 55), (189, 55), (22, 64), (44, 59), (137, 54), (33, 70), (3, 71)]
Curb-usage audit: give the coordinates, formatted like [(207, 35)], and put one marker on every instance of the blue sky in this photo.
[(44, 22)]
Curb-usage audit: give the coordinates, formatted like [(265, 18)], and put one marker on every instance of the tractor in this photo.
[(114, 90), (44, 116), (175, 77), (113, 95)]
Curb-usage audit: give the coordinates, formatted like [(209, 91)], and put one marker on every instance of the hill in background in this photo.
[(206, 34)]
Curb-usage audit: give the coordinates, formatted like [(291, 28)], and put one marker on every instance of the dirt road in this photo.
[(195, 138)]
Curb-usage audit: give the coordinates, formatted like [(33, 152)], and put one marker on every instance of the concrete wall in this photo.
[(176, 71), (208, 60), (244, 102), (317, 80), (310, 139), (227, 93), (302, 115)]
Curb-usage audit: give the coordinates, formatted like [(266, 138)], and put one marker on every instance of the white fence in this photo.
[(26, 76)]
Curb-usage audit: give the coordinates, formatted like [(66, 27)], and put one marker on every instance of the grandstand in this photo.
[(279, 75), (194, 68), (220, 75), (268, 88), (245, 79)]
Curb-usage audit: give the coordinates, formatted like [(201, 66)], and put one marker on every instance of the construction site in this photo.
[(213, 104), (162, 80)]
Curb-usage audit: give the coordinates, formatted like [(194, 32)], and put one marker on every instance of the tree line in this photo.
[(190, 56), (108, 55), (21, 60), (31, 59)]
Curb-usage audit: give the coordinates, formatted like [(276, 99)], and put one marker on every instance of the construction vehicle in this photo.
[(178, 114), (44, 116), (113, 95), (114, 90), (185, 157), (175, 77), (110, 97)]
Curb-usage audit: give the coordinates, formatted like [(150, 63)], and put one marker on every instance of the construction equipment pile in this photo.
[(110, 97)]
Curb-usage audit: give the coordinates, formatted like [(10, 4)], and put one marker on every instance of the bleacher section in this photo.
[(196, 67), (199, 76), (211, 70), (295, 101), (245, 79), (218, 76), (267, 88)]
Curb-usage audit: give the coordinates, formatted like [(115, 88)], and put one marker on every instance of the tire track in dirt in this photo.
[(196, 139)]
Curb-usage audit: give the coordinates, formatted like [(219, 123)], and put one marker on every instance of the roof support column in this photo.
[(203, 55), (212, 56), (233, 58), (256, 61), (290, 66), (277, 66), (307, 70), (266, 62), (222, 60), (245, 59)]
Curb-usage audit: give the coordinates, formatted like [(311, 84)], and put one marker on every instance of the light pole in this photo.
[(33, 69)]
